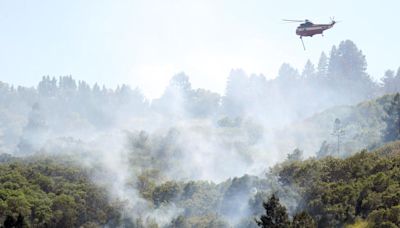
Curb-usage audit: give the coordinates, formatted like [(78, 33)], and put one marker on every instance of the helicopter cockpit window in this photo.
[(308, 24)]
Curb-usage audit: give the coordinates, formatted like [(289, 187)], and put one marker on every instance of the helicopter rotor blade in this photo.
[(293, 20)]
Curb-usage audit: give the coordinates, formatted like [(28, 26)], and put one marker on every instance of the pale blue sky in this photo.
[(144, 43)]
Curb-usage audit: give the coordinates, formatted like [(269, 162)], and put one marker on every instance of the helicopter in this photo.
[(307, 28)]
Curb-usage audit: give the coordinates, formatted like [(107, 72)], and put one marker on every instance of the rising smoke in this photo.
[(190, 134)]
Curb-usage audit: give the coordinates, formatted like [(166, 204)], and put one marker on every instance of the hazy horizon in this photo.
[(144, 43)]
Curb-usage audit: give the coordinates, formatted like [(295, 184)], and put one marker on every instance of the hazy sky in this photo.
[(144, 43)]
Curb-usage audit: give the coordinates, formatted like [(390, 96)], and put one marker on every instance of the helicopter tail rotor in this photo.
[(333, 21)]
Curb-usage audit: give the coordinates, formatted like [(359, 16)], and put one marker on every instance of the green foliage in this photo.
[(165, 193), (389, 217), (296, 155), (42, 192), (360, 223), (146, 182), (200, 198), (337, 191), (303, 220), (392, 120), (275, 214)]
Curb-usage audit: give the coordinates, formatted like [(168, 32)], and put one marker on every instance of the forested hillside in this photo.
[(65, 107), (335, 192), (362, 189), (45, 191), (362, 125), (75, 154)]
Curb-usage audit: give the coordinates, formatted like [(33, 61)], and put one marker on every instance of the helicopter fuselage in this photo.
[(313, 29)]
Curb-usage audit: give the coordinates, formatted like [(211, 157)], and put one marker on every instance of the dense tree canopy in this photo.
[(45, 192), (336, 192)]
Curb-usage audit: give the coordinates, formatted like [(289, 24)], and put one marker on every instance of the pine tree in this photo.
[(309, 70), (236, 93), (392, 119), (275, 216), (322, 68), (34, 133), (347, 73), (296, 155), (389, 83)]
